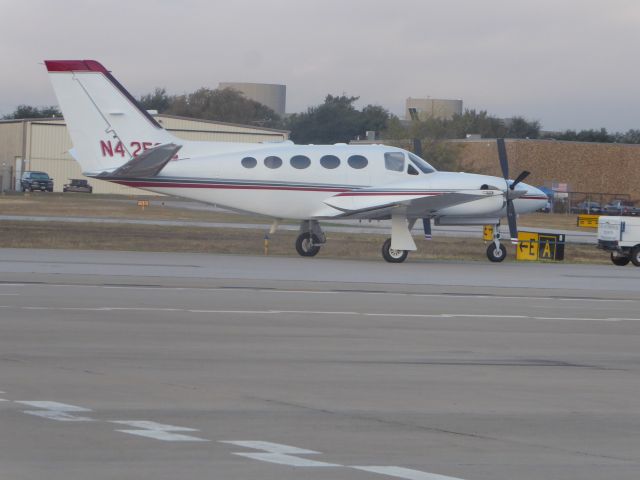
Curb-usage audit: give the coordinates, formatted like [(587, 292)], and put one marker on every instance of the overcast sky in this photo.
[(570, 64)]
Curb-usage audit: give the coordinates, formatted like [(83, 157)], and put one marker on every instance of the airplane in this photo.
[(116, 140)]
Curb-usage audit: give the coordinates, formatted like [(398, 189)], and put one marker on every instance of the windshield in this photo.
[(421, 164), (39, 175)]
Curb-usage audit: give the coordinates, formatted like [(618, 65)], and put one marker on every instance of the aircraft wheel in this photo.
[(307, 244), (496, 254), (635, 255), (619, 260), (391, 255)]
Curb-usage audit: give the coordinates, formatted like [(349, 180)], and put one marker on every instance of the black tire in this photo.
[(393, 256), (619, 260), (307, 244), (635, 255), (496, 254)]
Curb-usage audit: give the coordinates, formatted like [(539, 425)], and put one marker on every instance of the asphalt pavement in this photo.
[(165, 366)]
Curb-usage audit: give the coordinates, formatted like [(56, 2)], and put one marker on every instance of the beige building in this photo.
[(432, 108), (272, 95), (43, 144)]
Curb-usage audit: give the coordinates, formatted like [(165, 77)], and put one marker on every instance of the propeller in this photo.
[(509, 193)]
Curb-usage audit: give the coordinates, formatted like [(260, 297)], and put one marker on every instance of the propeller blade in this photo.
[(520, 178), (502, 155), (426, 224), (511, 217)]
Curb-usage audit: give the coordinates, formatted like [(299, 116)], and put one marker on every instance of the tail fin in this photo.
[(107, 125)]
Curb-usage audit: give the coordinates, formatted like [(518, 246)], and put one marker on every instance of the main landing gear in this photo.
[(397, 248), (391, 255), (311, 238), (496, 252)]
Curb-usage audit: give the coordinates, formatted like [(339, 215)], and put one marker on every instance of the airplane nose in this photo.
[(536, 195)]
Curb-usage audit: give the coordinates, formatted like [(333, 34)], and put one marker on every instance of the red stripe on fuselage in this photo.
[(139, 184)]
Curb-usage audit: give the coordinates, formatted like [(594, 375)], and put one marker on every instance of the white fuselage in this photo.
[(275, 188)]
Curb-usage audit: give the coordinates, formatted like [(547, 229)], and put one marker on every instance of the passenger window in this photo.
[(300, 162), (249, 162), (273, 162), (394, 161), (330, 161), (411, 170), (357, 161)]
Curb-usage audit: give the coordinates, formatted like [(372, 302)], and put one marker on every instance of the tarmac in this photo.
[(164, 366)]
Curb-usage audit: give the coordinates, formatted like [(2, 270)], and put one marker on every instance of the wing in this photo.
[(379, 203)]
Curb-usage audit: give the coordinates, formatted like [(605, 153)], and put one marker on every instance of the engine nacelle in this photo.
[(483, 206)]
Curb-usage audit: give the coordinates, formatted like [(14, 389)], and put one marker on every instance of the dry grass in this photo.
[(238, 241), (114, 236), (110, 206), (560, 221)]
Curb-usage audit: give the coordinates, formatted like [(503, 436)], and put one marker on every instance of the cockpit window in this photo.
[(412, 170), (421, 164), (394, 161)]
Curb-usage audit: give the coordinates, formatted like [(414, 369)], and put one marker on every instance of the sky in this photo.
[(569, 64)]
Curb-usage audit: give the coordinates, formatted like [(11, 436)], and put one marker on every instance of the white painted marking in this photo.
[(280, 454), (3, 400), (56, 411), (159, 431), (406, 473), (326, 312), (9, 294)]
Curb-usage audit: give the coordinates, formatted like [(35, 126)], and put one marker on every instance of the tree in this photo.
[(601, 136), (226, 105), (470, 122), (27, 111), (336, 121), (158, 100), (521, 128), (630, 136)]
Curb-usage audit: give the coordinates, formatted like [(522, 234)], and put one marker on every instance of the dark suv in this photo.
[(31, 181)]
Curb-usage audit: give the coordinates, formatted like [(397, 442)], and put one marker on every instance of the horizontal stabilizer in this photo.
[(148, 164)]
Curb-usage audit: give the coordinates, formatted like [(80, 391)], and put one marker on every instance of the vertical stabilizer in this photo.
[(107, 125)]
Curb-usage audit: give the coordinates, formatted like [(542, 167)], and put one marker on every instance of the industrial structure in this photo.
[(43, 145), (432, 108), (272, 95)]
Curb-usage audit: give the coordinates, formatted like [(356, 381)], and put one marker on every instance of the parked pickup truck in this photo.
[(621, 237), (31, 181), (621, 207)]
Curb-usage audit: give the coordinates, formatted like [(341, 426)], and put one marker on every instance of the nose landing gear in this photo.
[(496, 252)]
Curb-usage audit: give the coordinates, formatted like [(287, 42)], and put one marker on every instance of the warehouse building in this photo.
[(43, 145)]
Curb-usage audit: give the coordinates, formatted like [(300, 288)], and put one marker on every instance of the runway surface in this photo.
[(165, 366)]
